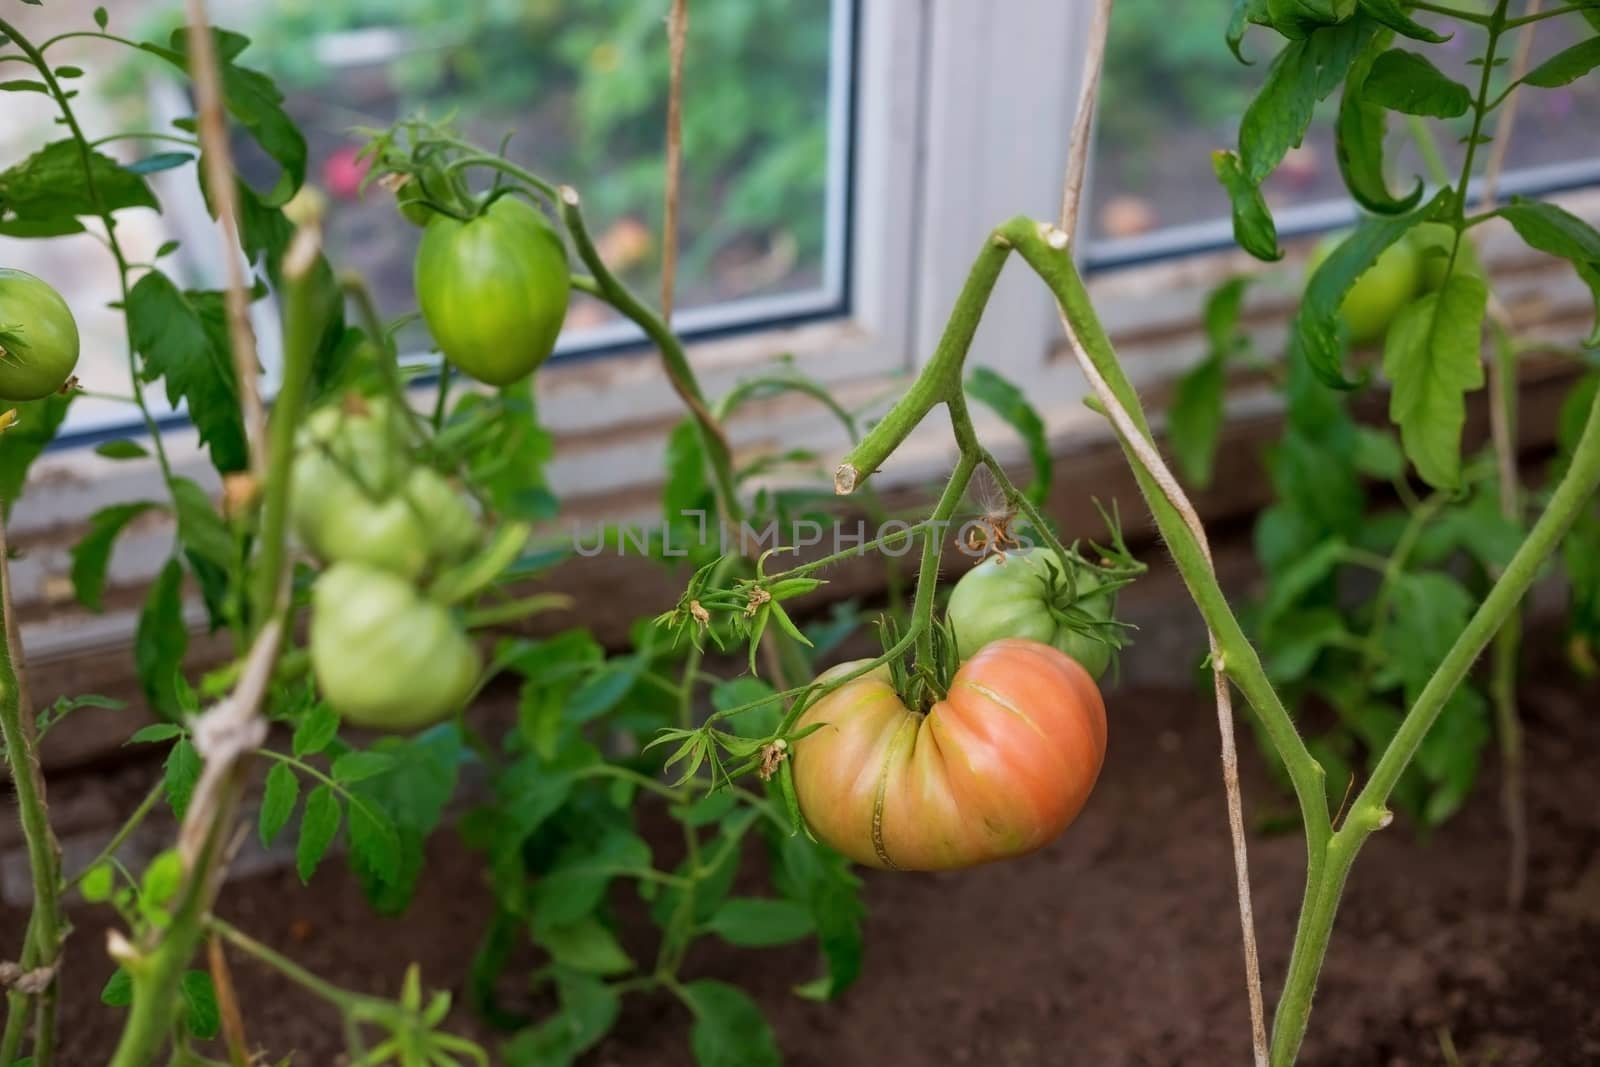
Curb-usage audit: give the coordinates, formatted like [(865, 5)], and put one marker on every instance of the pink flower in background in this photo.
[(342, 173)]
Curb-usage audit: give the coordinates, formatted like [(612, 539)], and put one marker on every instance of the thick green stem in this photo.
[(1369, 811), (302, 326), (1050, 258), (940, 378), (45, 925)]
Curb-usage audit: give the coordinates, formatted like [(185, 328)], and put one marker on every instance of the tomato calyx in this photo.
[(1067, 590)]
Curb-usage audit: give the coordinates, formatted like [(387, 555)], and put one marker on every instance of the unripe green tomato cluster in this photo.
[(38, 338), (1024, 594), (493, 289), (384, 655)]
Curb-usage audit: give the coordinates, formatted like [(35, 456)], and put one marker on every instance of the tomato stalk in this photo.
[(41, 952)]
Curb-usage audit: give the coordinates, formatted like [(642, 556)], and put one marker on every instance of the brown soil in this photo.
[(1118, 945)]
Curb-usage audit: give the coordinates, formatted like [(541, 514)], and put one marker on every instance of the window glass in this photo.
[(1173, 91), (582, 85)]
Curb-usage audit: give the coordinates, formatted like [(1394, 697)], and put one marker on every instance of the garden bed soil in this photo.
[(1118, 945)]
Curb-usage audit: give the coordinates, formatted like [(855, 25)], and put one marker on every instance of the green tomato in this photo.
[(384, 656), (1433, 241), (493, 290), (1024, 594), (38, 338), (357, 498), (1378, 295)]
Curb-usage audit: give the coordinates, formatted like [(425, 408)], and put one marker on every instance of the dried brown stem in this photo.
[(217, 158), (677, 38)]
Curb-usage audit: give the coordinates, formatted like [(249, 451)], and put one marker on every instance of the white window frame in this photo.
[(962, 114)]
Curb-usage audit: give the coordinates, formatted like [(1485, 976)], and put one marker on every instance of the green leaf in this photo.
[(1253, 227), (21, 444), (1300, 577), (53, 183), (1432, 358), (98, 882), (758, 922), (183, 339), (161, 880), (1410, 83), (277, 803), (820, 878), (160, 640), (1194, 422), (1245, 13), (1430, 610), (92, 555), (589, 1009), (686, 488), (156, 731), (729, 1029), (574, 886), (587, 946), (201, 1017), (1362, 125), (1298, 639), (1305, 72), (1560, 233), (159, 162), (319, 727), (121, 449), (100, 17), (357, 766), (375, 840), (1316, 335), (25, 85), (200, 528), (318, 826), (1566, 66), (1552, 229), (1006, 400), (1377, 454), (412, 799), (182, 772), (1392, 14), (1451, 753), (604, 689), (254, 101), (118, 990)]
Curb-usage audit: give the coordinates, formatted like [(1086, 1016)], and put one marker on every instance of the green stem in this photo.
[(673, 357), (46, 924), (343, 1000), (1054, 265), (442, 397), (1389, 582), (516, 610), (940, 378), (302, 326), (933, 548), (1454, 13), (1428, 148), (1480, 111), (1511, 24), (123, 833), (1369, 810)]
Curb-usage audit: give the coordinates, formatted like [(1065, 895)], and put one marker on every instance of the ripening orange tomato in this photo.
[(997, 769)]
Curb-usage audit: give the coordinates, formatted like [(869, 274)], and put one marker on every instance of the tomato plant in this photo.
[(415, 516), (493, 289), (38, 338), (996, 768)]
